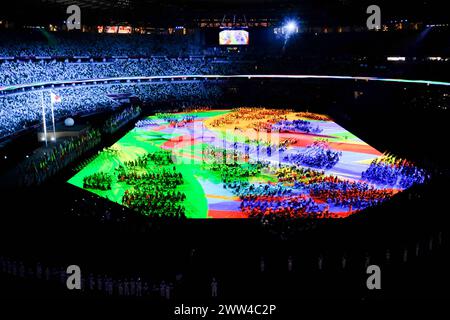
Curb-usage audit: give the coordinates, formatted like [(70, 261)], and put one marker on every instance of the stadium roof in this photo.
[(183, 12)]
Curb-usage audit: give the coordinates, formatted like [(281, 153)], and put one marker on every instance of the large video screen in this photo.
[(233, 38)]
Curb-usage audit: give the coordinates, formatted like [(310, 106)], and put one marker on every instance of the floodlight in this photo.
[(291, 27)]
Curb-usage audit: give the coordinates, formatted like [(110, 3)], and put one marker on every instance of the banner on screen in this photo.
[(233, 37)]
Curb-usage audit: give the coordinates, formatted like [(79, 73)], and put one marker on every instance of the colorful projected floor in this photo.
[(244, 163)]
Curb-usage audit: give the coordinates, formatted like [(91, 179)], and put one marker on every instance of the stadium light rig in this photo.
[(291, 27)]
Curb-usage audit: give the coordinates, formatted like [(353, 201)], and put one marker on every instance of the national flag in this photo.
[(55, 98)]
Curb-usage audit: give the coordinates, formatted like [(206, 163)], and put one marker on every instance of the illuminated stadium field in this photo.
[(242, 163)]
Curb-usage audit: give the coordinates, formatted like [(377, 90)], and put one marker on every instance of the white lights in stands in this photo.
[(396, 58)]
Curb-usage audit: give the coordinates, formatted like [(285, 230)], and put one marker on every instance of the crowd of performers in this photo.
[(215, 155), (174, 121), (150, 194), (261, 147), (153, 192), (352, 195), (292, 173), (146, 123), (302, 191), (298, 189), (240, 152), (391, 171), (99, 181), (166, 177), (295, 191), (160, 158), (264, 118), (232, 171), (270, 120), (311, 195), (312, 116), (151, 184), (257, 199), (154, 196), (268, 148), (316, 155), (43, 165), (118, 120), (281, 206), (296, 126), (196, 108)]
